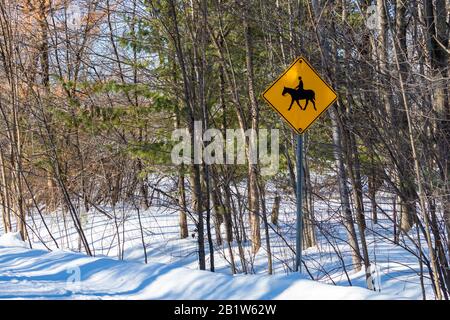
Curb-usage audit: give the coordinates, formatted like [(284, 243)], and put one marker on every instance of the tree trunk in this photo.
[(344, 192), (6, 212), (197, 197), (437, 35), (253, 196), (275, 210), (184, 232)]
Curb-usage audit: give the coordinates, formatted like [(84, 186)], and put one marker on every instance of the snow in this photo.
[(12, 239), (172, 262), (40, 274)]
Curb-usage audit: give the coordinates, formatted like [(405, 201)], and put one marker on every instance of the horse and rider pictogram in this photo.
[(300, 94), (300, 82)]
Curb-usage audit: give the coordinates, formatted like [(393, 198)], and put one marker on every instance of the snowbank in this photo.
[(12, 239), (39, 274)]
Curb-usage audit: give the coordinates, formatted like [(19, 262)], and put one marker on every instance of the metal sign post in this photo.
[(300, 82), (299, 189)]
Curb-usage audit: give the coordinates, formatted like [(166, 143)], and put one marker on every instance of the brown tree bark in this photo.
[(253, 194)]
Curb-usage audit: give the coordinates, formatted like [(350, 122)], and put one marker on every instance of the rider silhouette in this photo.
[(300, 84)]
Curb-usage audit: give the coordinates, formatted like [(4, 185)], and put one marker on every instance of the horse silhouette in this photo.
[(300, 94)]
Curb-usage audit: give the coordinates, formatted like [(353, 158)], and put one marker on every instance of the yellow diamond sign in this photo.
[(300, 95)]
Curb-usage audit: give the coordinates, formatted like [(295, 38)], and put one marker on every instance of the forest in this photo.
[(92, 91)]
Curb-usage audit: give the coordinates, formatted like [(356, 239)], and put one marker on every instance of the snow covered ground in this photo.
[(40, 274), (118, 269)]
